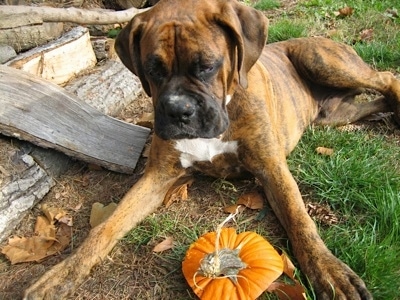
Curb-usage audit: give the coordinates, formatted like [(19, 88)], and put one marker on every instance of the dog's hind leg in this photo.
[(340, 110), (336, 66)]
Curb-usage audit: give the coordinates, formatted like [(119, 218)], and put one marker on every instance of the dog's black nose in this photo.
[(179, 108)]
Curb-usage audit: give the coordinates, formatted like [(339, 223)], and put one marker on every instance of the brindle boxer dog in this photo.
[(224, 104)]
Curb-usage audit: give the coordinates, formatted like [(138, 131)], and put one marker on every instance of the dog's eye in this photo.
[(206, 69), (155, 68), (156, 73)]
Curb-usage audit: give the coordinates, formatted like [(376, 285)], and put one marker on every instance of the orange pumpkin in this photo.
[(236, 267)]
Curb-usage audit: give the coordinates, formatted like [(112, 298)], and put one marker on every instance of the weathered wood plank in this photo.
[(45, 114)]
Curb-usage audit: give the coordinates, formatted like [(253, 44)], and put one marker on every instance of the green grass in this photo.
[(267, 4), (317, 17), (285, 29), (361, 181)]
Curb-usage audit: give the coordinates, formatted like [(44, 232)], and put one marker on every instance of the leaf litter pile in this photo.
[(52, 235)]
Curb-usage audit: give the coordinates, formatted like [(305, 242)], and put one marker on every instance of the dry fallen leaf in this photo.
[(100, 213), (66, 220), (166, 244), (146, 120), (252, 200), (344, 12), (21, 249), (49, 239), (178, 191), (63, 237), (366, 35), (324, 151), (284, 290), (53, 214), (44, 227)]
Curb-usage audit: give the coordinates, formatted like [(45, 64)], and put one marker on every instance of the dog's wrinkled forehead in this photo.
[(181, 42)]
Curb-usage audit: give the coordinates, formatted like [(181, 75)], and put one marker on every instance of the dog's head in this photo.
[(190, 55)]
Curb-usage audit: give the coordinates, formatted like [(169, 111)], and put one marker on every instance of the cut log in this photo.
[(27, 37), (59, 60), (72, 14), (23, 183), (108, 88), (8, 21), (47, 115), (6, 53)]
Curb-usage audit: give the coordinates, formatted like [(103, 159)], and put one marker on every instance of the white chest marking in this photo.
[(193, 150)]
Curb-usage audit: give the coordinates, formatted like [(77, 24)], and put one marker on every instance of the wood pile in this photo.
[(57, 92)]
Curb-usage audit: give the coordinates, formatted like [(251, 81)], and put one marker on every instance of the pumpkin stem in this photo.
[(224, 262), (222, 224)]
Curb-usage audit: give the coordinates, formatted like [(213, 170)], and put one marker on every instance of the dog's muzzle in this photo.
[(189, 115)]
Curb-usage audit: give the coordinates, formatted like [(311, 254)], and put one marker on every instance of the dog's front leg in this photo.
[(330, 277), (141, 200)]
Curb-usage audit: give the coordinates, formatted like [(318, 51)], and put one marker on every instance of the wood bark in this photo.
[(109, 88), (20, 191)]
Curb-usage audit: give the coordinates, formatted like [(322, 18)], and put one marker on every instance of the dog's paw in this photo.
[(333, 279), (57, 283)]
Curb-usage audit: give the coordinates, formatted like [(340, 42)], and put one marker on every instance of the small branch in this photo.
[(72, 14)]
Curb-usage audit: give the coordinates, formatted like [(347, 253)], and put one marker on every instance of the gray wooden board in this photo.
[(47, 115)]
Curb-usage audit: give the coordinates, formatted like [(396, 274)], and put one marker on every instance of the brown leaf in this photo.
[(44, 228), (63, 238), (178, 191), (284, 290), (77, 208), (252, 200), (100, 213), (49, 239), (324, 151), (24, 249), (53, 214), (288, 266), (344, 12), (146, 120), (367, 35), (66, 220), (166, 244)]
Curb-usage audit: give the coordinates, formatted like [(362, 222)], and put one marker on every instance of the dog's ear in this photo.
[(127, 46), (249, 28)]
